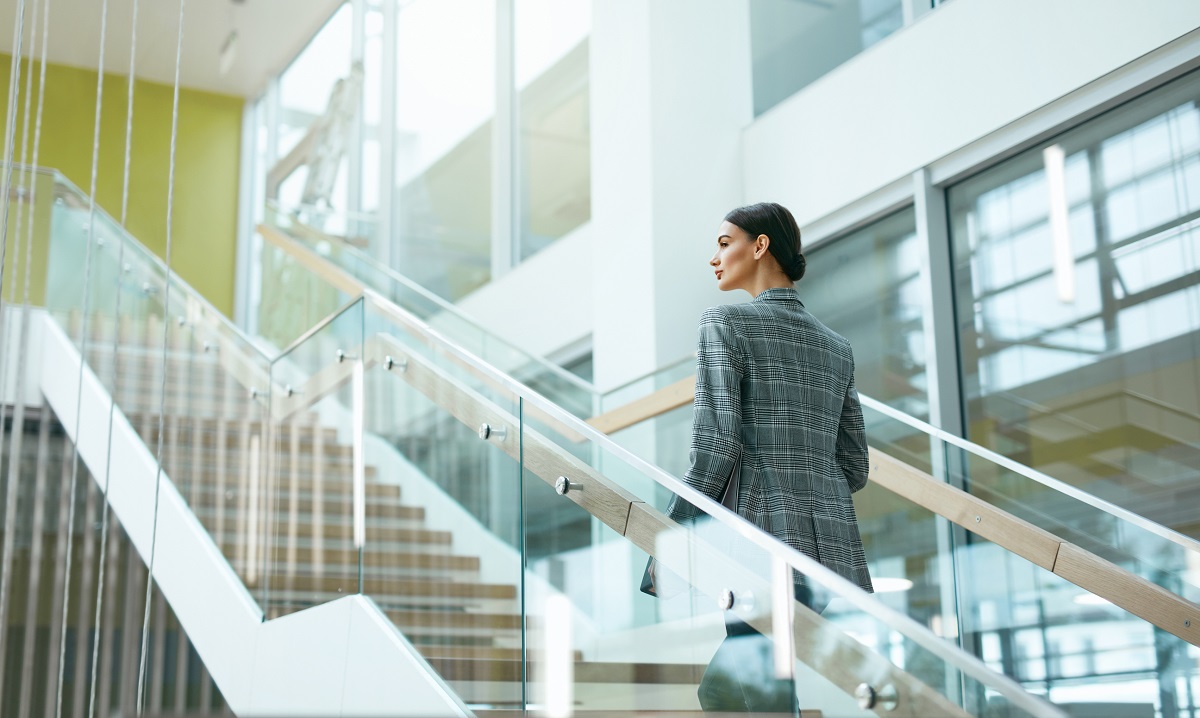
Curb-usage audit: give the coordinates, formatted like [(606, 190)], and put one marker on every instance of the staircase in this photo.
[(289, 535)]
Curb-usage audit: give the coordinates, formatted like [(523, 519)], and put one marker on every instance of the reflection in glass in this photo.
[(866, 286), (445, 100), (794, 43), (306, 90), (1077, 271), (554, 149)]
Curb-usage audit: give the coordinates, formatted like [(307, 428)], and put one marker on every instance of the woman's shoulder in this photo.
[(727, 313)]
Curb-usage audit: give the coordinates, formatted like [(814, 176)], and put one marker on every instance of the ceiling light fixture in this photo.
[(891, 585), (228, 52)]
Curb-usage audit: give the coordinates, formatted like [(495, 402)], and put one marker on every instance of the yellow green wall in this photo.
[(204, 223)]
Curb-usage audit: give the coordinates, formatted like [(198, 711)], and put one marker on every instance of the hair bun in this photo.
[(798, 267)]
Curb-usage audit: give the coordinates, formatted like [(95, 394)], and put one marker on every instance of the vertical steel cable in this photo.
[(83, 337), (162, 396), (14, 83), (17, 427), (44, 429), (10, 500), (112, 404)]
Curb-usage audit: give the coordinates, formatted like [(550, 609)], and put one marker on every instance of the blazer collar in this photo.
[(780, 294)]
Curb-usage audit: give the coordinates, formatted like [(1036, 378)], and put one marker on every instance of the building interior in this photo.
[(348, 352)]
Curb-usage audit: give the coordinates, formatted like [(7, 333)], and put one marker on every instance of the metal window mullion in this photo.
[(249, 209), (384, 250), (914, 9), (354, 155), (503, 156), (945, 396), (940, 324)]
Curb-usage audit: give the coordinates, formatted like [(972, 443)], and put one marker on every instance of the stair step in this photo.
[(339, 535), (505, 671), (435, 622), (332, 505), (208, 516), (427, 588), (380, 557), (336, 491)]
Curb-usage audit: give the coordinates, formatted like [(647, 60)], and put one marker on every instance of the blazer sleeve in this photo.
[(852, 441), (716, 412)]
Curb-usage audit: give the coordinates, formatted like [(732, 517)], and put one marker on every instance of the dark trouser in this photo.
[(740, 678)]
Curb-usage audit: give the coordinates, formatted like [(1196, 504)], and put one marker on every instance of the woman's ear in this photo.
[(761, 244)]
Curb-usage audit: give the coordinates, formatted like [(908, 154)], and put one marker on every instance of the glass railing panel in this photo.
[(682, 369), (187, 381), (1014, 591), (1137, 544), (315, 474), (443, 554), (281, 289), (588, 536), (291, 299)]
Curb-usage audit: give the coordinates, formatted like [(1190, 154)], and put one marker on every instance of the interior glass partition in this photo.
[(585, 585), (1078, 291)]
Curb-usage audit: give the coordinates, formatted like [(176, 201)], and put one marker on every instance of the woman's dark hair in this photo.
[(775, 221)]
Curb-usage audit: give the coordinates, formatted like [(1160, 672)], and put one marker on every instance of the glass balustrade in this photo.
[(504, 537), (287, 286), (507, 540), (194, 388), (315, 475), (992, 587)]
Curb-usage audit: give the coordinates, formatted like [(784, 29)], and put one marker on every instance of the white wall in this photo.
[(543, 304), (961, 72)]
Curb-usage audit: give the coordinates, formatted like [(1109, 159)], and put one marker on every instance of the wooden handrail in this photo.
[(673, 396), (1098, 576), (1142, 598), (310, 260)]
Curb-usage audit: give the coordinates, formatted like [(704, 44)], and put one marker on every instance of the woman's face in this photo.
[(733, 263)]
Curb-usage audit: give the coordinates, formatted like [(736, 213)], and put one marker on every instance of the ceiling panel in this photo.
[(270, 33)]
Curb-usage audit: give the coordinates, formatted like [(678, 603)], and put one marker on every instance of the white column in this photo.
[(670, 95)]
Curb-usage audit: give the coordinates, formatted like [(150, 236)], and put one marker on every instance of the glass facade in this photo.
[(443, 196), (305, 91), (866, 286), (1077, 290), (379, 147), (554, 137), (794, 43), (1077, 282)]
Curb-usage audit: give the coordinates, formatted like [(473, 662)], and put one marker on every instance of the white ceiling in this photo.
[(270, 33)]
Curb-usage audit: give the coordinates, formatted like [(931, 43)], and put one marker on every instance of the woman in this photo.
[(775, 402)]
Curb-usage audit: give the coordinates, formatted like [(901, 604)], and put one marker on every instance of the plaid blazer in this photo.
[(775, 389)]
